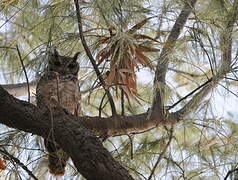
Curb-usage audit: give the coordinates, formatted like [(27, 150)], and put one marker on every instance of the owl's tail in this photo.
[(57, 158), (57, 162)]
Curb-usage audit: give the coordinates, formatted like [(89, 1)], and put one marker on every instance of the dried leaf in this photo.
[(139, 25), (104, 40), (103, 54), (111, 75), (132, 49), (147, 49), (115, 56), (2, 164), (132, 84), (142, 36), (143, 59), (126, 71)]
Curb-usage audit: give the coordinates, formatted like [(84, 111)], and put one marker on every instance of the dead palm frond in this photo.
[(125, 51)]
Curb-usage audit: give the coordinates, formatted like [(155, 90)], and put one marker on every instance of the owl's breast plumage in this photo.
[(62, 90)]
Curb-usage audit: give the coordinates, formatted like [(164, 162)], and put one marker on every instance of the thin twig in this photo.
[(24, 70), (131, 142), (15, 14), (89, 54), (101, 106), (229, 90), (199, 40), (189, 94), (16, 88), (17, 161), (7, 47), (103, 16), (95, 107), (162, 153), (230, 172), (122, 102)]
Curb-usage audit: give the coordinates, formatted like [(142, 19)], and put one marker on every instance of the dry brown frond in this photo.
[(125, 51)]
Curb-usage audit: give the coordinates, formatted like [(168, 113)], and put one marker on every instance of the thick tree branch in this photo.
[(225, 67), (91, 159), (92, 60), (163, 60), (112, 126), (87, 153)]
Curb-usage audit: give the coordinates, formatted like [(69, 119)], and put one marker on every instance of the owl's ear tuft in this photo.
[(76, 56)]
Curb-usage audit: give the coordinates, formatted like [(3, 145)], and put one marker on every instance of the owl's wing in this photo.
[(45, 92)]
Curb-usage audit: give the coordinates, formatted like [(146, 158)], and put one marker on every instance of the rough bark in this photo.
[(91, 159), (112, 126)]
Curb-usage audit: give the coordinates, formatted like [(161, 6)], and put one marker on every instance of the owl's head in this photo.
[(64, 65)]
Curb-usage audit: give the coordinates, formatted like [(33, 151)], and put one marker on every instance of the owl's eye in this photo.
[(71, 66), (57, 63)]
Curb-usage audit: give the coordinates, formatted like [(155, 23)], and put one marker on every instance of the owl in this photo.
[(59, 87)]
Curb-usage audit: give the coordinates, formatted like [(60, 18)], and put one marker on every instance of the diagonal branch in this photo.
[(92, 60), (25, 73), (225, 67), (190, 94), (163, 60), (17, 161), (230, 172)]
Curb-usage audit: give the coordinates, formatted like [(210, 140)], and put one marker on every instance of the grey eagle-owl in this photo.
[(59, 86)]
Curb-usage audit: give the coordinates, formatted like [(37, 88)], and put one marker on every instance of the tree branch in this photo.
[(24, 70), (91, 159), (112, 126), (163, 60), (71, 134), (87, 50), (230, 172)]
